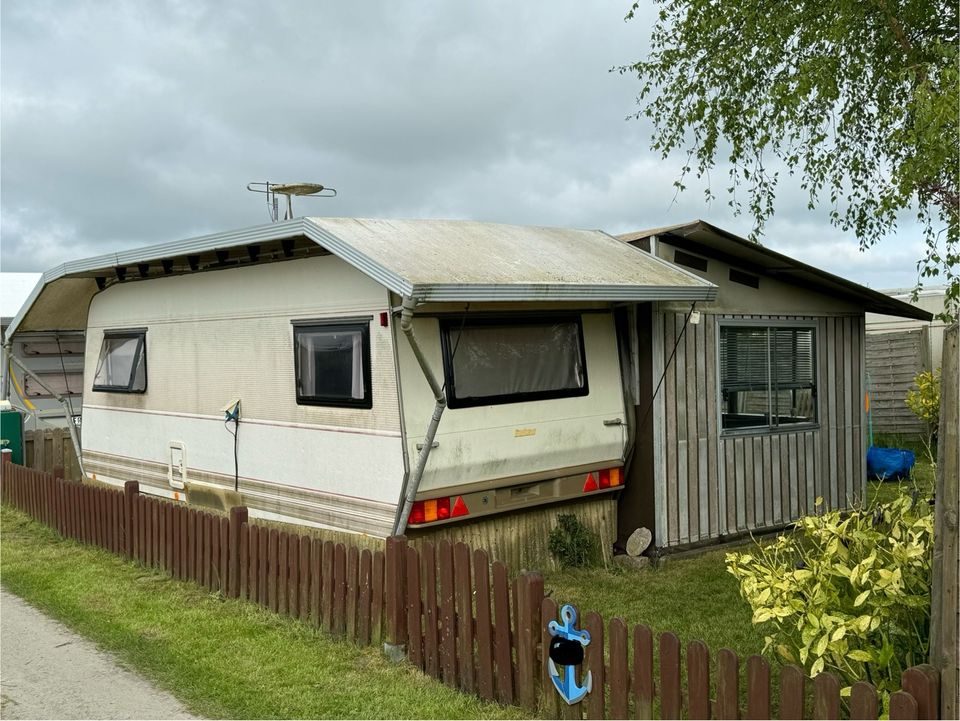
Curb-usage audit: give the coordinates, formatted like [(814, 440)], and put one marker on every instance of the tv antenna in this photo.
[(272, 190)]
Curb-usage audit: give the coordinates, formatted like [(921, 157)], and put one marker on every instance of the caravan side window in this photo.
[(122, 366), (333, 364), (504, 359)]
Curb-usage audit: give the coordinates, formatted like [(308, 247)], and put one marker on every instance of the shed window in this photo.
[(488, 361), (122, 366), (333, 364), (767, 376)]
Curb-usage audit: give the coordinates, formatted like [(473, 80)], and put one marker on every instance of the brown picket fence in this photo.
[(454, 614)]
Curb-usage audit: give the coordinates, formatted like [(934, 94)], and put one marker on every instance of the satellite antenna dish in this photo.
[(272, 190)]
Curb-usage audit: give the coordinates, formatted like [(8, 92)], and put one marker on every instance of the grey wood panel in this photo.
[(659, 421), (717, 491), (705, 529), (740, 464), (672, 410), (848, 403), (683, 433)]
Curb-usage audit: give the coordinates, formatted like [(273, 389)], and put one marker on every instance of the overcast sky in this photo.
[(131, 123)]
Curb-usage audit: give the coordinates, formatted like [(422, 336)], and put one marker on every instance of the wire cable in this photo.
[(666, 366), (66, 384), (236, 458)]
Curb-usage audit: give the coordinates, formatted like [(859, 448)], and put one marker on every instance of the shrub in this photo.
[(850, 595), (925, 404), (572, 543)]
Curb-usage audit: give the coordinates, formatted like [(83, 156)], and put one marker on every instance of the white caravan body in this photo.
[(253, 317)]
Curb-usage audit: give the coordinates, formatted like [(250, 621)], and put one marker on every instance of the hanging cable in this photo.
[(66, 384), (236, 458), (666, 365)]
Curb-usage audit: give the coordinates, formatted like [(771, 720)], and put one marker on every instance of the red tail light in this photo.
[(600, 480), (438, 509)]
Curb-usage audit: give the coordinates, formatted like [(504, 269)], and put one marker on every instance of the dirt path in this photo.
[(49, 672)]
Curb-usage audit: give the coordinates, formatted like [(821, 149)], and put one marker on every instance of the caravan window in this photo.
[(767, 376), (122, 366), (491, 360), (333, 364)]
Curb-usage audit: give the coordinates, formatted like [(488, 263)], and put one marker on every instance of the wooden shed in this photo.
[(748, 407)]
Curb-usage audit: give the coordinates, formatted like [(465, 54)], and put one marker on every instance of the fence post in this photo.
[(945, 603), (130, 491), (395, 646), (238, 516)]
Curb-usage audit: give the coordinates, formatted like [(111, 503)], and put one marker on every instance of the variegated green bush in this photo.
[(846, 593)]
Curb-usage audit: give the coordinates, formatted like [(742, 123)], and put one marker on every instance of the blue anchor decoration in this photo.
[(566, 683)]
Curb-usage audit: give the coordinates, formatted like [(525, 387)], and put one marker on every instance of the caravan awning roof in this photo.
[(430, 260), (707, 239)]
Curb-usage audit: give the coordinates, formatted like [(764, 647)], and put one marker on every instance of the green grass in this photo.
[(693, 596), (222, 658)]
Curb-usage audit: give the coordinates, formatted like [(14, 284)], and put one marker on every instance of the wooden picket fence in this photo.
[(456, 616)]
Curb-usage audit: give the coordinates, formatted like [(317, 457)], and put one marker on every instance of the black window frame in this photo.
[(457, 323), (141, 335), (343, 325), (772, 424)]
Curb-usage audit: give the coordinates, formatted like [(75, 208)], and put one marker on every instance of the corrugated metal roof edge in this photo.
[(366, 265), (898, 308)]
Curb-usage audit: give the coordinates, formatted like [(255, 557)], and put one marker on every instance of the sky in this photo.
[(124, 124)]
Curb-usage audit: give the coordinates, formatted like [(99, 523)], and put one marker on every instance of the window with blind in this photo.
[(768, 376), (332, 364)]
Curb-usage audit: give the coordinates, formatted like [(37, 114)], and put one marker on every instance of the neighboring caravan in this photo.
[(363, 375)]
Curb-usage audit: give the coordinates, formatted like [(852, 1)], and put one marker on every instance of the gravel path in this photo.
[(49, 672)]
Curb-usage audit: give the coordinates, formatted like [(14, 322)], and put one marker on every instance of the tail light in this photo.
[(602, 480), (438, 509)]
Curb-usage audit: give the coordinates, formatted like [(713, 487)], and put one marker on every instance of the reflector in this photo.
[(590, 484), (459, 508)]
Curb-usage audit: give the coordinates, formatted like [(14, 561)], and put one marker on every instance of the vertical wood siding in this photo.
[(715, 485)]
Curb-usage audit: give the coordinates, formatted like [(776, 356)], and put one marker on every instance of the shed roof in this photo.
[(429, 260), (707, 239)]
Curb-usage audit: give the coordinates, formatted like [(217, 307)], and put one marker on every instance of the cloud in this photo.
[(126, 124)]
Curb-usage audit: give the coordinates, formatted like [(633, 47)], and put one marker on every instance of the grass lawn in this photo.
[(221, 658)]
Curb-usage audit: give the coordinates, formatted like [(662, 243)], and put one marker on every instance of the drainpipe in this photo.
[(7, 353), (66, 409), (413, 485)]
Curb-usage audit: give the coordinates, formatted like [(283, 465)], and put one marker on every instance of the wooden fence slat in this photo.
[(304, 573), (208, 555), (903, 706), (273, 570), (414, 631), (157, 537), (698, 680), (643, 672), (293, 576), (316, 551), (222, 559), (339, 589), (191, 535), (792, 692), (198, 527), (244, 555), (162, 535), (595, 702), (377, 605), (327, 590), (176, 532), (463, 593), (550, 701), (253, 563), (670, 698), (366, 588), (502, 645), (143, 520), (826, 696), (923, 683), (283, 567), (230, 555), (481, 571), (431, 617), (395, 592), (863, 702), (353, 591), (758, 688), (528, 638), (728, 685), (448, 651), (185, 533)]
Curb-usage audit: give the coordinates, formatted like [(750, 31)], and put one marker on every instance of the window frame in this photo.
[(770, 428), (448, 323), (141, 335), (335, 324)]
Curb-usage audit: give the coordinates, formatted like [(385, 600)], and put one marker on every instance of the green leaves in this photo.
[(847, 593), (858, 99)]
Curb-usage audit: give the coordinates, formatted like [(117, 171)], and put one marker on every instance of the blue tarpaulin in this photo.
[(889, 464)]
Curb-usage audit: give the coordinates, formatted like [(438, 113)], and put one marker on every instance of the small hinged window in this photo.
[(122, 366), (333, 364)]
